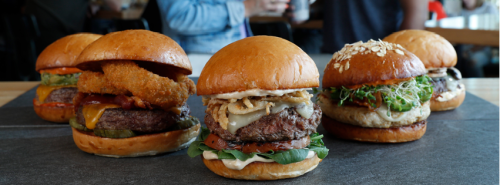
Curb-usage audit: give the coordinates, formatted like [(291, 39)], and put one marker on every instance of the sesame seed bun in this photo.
[(432, 49), (64, 51), (351, 67), (157, 52), (258, 62)]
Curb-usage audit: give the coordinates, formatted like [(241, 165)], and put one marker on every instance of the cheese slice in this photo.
[(43, 91), (93, 112)]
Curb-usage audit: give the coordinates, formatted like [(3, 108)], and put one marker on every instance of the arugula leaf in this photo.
[(240, 155), (204, 134), (194, 150), (322, 152), (223, 155), (289, 156)]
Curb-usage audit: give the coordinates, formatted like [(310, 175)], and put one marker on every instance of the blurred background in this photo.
[(319, 27)]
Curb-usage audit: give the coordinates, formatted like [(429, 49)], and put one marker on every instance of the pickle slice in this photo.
[(73, 123), (185, 123), (114, 133)]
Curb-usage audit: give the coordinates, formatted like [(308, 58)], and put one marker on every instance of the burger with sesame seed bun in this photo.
[(439, 57), (375, 92)]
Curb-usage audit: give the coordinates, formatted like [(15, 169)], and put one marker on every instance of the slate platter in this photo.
[(460, 147)]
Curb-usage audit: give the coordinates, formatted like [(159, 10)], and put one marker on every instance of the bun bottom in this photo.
[(448, 105), (376, 135), (58, 114), (262, 170), (143, 145)]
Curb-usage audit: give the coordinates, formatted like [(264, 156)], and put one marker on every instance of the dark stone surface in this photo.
[(460, 147)]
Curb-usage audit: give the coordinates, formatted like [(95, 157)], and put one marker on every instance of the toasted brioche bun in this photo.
[(376, 135), (262, 170), (258, 62), (143, 145), (371, 69), (447, 105), (153, 51), (432, 49), (58, 114), (63, 52)]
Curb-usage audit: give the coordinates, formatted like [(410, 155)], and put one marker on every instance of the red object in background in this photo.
[(437, 7)]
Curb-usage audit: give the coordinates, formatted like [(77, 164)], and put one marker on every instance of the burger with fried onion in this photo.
[(132, 96), (375, 92), (56, 64), (439, 58), (260, 117)]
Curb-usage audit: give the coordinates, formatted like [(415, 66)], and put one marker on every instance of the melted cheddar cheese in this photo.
[(43, 91), (93, 112)]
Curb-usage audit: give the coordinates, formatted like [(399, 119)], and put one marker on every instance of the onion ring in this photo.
[(160, 91), (96, 82)]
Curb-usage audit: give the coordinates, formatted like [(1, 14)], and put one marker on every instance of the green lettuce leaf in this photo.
[(281, 157)]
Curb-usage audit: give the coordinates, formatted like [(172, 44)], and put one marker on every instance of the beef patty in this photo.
[(62, 95), (439, 84), (139, 120), (284, 125)]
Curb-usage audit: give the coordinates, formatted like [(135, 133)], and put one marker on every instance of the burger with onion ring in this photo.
[(56, 64), (260, 117), (375, 92), (132, 96)]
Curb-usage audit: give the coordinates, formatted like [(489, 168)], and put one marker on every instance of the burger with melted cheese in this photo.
[(56, 64), (375, 92), (132, 96), (439, 57), (260, 118)]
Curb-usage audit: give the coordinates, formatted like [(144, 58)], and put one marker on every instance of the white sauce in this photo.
[(254, 92), (445, 96), (236, 164), (382, 112), (237, 121)]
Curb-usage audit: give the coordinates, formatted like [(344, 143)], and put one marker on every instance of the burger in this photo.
[(439, 57), (261, 122), (132, 96), (56, 64), (375, 92)]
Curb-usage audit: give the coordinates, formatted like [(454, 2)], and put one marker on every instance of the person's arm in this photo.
[(192, 18), (415, 14)]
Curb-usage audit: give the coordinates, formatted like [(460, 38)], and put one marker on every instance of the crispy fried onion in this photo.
[(219, 108), (160, 91), (96, 82)]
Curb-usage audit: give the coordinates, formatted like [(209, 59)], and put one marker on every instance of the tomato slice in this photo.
[(62, 70), (52, 104), (215, 142)]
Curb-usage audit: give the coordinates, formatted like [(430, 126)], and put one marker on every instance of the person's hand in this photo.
[(254, 7)]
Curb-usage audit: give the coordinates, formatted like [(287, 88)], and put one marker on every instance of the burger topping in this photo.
[(49, 79), (236, 159), (449, 86), (236, 113), (254, 92), (399, 97), (93, 112), (436, 72)]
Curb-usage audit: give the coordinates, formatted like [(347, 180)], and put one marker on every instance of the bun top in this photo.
[(432, 49), (63, 52), (154, 50), (259, 62), (371, 63)]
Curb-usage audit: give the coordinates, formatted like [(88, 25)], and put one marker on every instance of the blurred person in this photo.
[(205, 26), (473, 7), (475, 56), (57, 18), (355, 20)]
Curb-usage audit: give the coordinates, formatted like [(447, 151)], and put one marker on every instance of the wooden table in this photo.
[(486, 88), (476, 29)]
